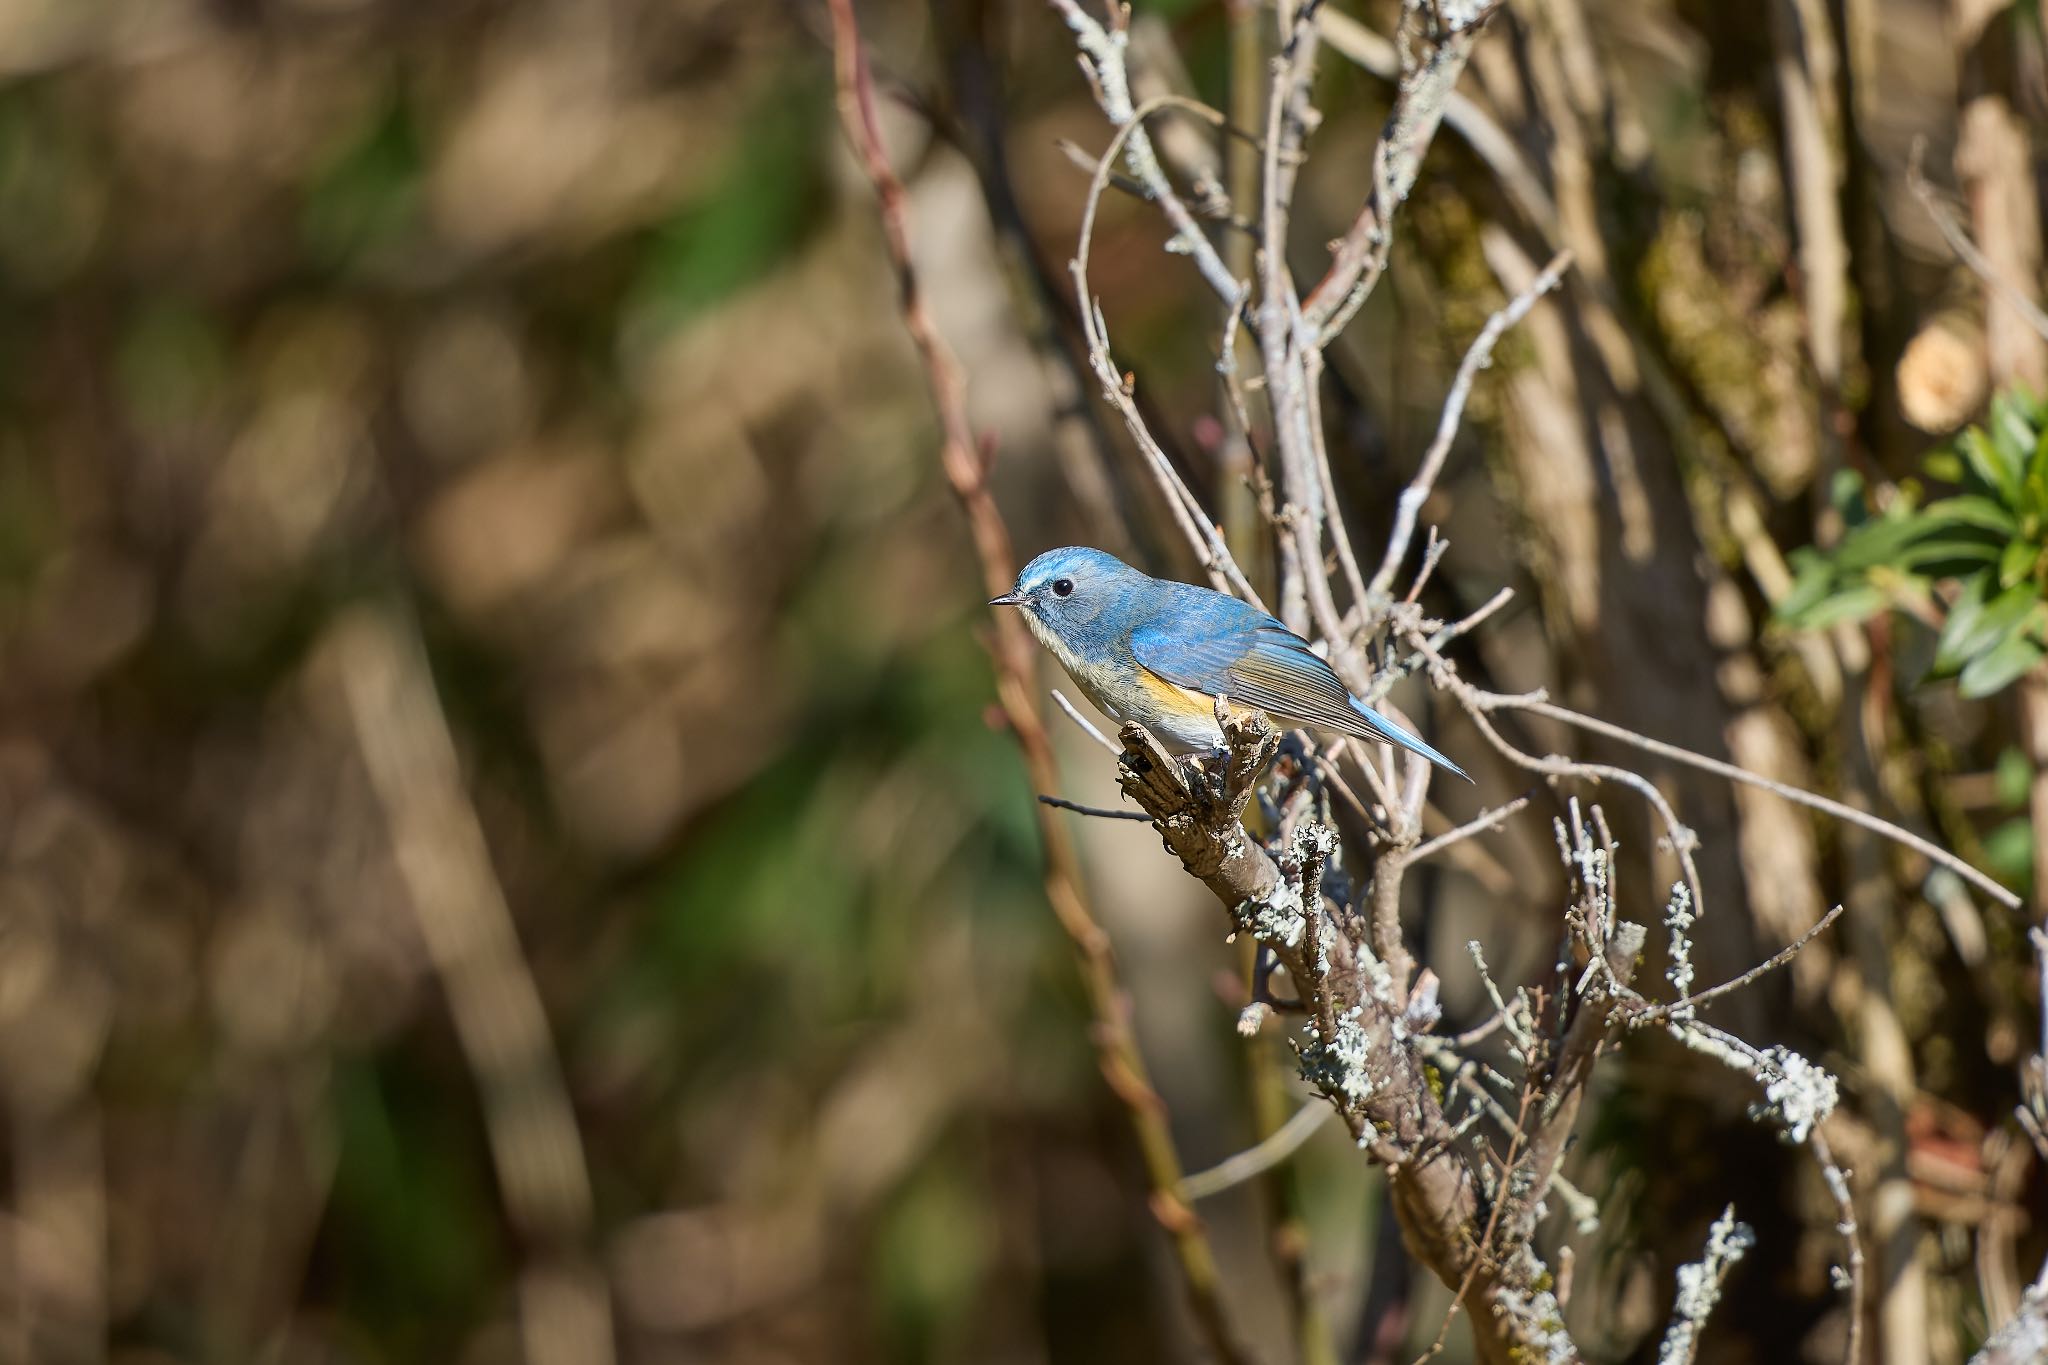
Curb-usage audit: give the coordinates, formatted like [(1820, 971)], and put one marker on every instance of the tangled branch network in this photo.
[(1472, 1128)]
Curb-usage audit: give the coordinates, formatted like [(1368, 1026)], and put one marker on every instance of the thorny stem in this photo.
[(1011, 652)]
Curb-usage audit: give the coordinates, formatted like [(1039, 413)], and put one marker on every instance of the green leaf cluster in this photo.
[(1987, 542)]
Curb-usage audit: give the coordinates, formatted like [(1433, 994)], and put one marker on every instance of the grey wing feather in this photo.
[(1215, 644), (1253, 660)]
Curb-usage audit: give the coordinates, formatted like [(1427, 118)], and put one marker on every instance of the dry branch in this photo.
[(1468, 1197), (1011, 651), (1357, 1050)]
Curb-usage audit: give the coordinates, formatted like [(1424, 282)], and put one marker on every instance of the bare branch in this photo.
[(1467, 118), (1088, 726), (1490, 819), (1699, 1287), (1103, 52), (1838, 1188), (1959, 241), (1356, 1055), (1011, 651), (1487, 701), (1061, 803), (1677, 836), (2023, 1340), (1439, 37), (1253, 1161), (1659, 1013), (1201, 531), (1477, 357)]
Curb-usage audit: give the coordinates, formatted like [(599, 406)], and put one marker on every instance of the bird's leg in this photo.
[(1219, 752), (1209, 766)]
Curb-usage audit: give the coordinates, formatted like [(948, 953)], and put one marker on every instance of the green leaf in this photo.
[(2037, 476), (1971, 509), (2031, 406), (1813, 578), (1876, 542), (1998, 473), (1855, 603), (2016, 564), (1997, 667), (1845, 495), (1968, 609), (2009, 850), (1943, 465), (1958, 555), (1984, 628), (2004, 612), (2012, 429)]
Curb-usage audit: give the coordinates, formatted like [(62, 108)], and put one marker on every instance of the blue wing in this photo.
[(1221, 645), (1216, 644)]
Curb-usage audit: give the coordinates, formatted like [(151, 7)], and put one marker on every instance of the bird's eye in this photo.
[(1063, 587)]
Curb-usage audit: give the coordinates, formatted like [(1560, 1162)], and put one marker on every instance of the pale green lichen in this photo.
[(1337, 1066)]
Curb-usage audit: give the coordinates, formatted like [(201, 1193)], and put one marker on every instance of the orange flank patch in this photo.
[(1174, 700)]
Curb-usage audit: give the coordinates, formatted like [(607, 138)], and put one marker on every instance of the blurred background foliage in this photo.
[(522, 376)]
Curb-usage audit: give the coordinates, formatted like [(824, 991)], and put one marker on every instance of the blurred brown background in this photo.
[(503, 853)]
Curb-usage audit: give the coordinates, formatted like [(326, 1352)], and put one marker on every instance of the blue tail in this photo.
[(1382, 728)]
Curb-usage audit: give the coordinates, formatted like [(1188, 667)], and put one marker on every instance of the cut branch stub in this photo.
[(1196, 811)]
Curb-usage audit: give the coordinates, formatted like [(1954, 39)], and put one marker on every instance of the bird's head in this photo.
[(1070, 593)]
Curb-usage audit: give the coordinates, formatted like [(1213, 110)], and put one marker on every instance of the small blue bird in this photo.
[(1159, 653)]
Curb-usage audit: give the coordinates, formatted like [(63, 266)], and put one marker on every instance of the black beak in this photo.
[(1008, 599)]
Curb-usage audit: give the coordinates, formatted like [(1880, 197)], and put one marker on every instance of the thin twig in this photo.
[(1487, 1027), (1289, 394), (1335, 778), (1340, 534), (1838, 1187), (1577, 1203), (1086, 724), (1432, 58), (1777, 960), (1490, 819), (1433, 548), (1383, 682), (1473, 620), (1680, 838), (1477, 356), (1061, 803), (1011, 651), (1479, 1252), (1847, 814), (1464, 116), (1102, 52), (1285, 1141), (1959, 241), (1195, 524)]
